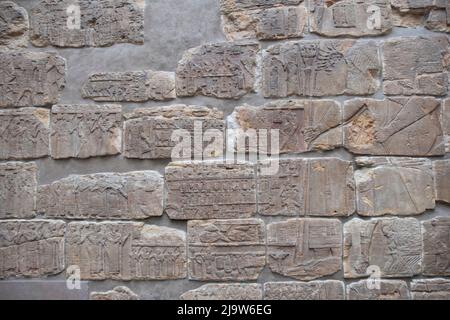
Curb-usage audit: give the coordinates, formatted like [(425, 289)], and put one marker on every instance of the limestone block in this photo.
[(220, 291), (386, 290), (441, 170), (446, 124), (14, 26), (430, 289), (312, 290), (436, 246), (118, 293)]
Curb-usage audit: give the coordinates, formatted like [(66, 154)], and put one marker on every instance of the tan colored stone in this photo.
[(226, 250), (126, 251), (118, 293), (305, 249), (13, 26), (311, 187), (127, 196), (417, 5), (83, 131), (210, 189), (32, 248), (390, 246), (313, 290), (430, 289), (437, 20), (387, 290), (18, 183), (219, 291), (446, 124), (238, 5), (436, 246), (24, 133), (441, 170), (397, 126), (394, 186)]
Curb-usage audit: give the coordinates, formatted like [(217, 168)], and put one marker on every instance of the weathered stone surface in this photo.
[(118, 293), (430, 289), (446, 124), (312, 187), (236, 5), (31, 248), (416, 65), (305, 249), (13, 26), (128, 196), (148, 131), (137, 86), (313, 290), (351, 18), (303, 125), (441, 170), (222, 70), (392, 246), (320, 68), (238, 291), (226, 250), (87, 23), (388, 290), (436, 246), (417, 5), (18, 183), (395, 126), (394, 186), (24, 133), (210, 189), (83, 131), (438, 20), (126, 250), (30, 79)]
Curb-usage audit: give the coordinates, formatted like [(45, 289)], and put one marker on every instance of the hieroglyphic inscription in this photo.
[(441, 169), (436, 246)]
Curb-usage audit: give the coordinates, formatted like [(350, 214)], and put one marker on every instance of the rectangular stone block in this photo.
[(437, 20), (397, 126), (390, 246), (430, 289), (436, 246), (305, 249), (351, 18), (87, 23), (446, 124), (220, 291), (31, 79), (32, 248), (24, 133), (210, 189), (378, 289), (416, 65), (83, 131), (126, 196), (18, 185), (303, 125), (313, 290), (394, 186), (417, 5), (118, 293), (13, 26), (307, 187), (148, 132), (236, 5), (126, 251), (221, 70), (137, 86), (441, 169), (317, 68), (226, 250)]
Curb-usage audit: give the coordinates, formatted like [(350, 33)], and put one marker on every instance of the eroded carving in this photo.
[(446, 124), (13, 26), (387, 290), (118, 293), (241, 291), (430, 289), (313, 290), (441, 170), (436, 246)]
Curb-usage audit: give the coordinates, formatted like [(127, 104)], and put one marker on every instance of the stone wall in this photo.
[(92, 91)]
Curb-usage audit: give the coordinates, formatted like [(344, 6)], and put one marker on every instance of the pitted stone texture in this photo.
[(118, 293), (30, 79), (397, 126), (305, 249), (226, 250), (18, 184), (87, 23), (446, 124), (303, 125), (222, 70), (126, 251), (392, 246), (237, 5), (210, 190), (13, 26), (417, 5), (430, 289), (441, 170), (241, 292), (313, 290), (439, 20), (436, 246), (394, 186), (320, 68), (137, 86), (387, 290), (24, 133), (32, 248), (416, 65), (351, 18), (83, 131), (311, 187), (148, 132), (127, 196)]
